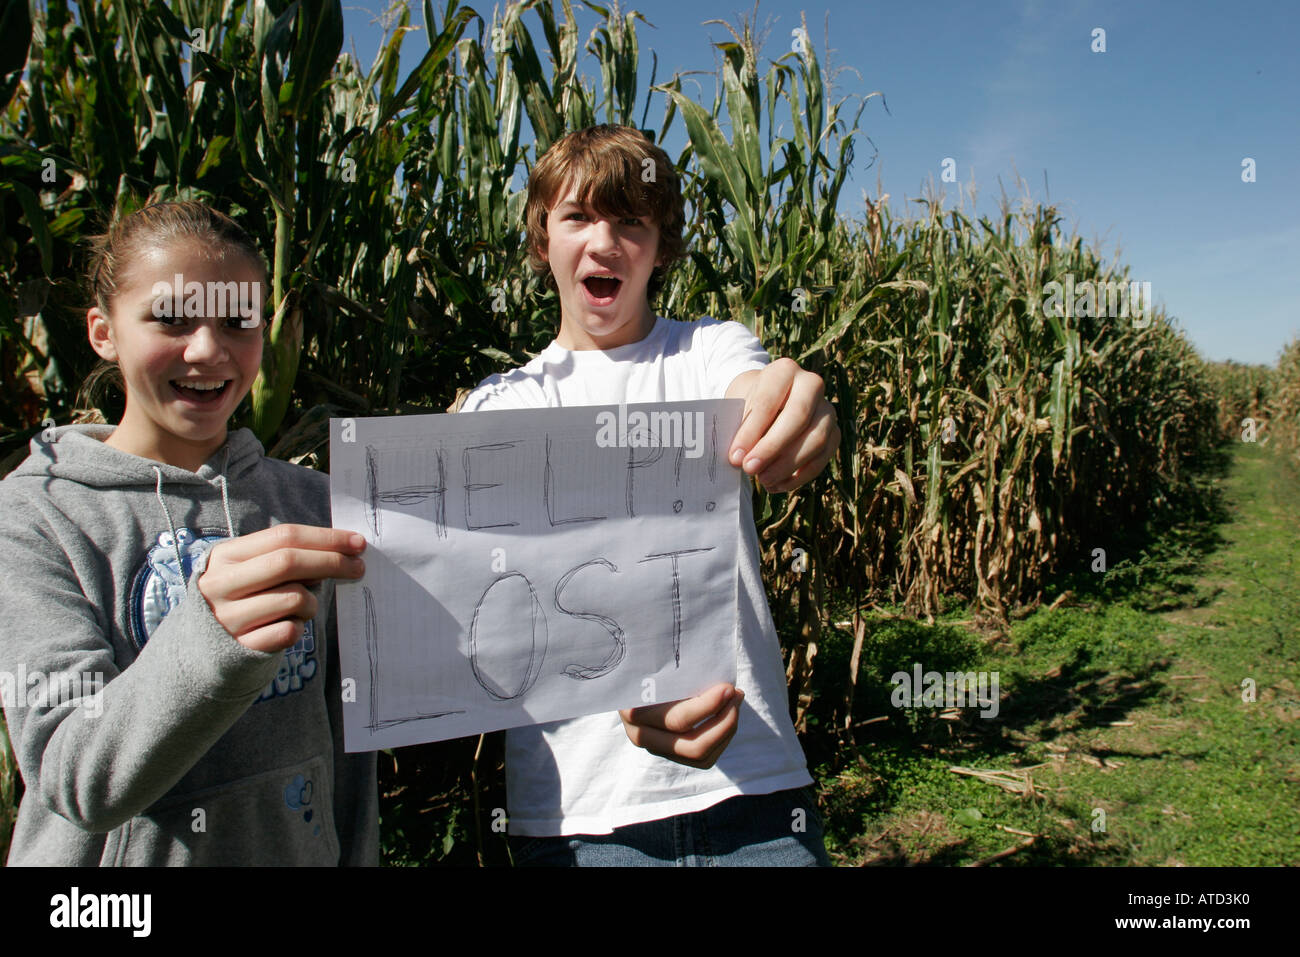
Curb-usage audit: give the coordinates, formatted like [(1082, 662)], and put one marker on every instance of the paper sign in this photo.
[(534, 565)]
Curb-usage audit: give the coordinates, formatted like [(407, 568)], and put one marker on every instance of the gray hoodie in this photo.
[(145, 734)]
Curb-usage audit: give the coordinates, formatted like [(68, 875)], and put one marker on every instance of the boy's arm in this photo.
[(786, 437), (788, 432)]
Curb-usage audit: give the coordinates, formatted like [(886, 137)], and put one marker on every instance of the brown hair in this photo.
[(607, 166), (161, 224), (157, 224)]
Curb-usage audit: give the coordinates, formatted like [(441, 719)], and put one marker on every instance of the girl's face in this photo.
[(186, 369)]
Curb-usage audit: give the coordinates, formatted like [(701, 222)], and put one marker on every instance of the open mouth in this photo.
[(200, 391), (602, 290)]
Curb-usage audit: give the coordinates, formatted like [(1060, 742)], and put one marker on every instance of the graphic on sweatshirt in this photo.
[(159, 586), (298, 666), (297, 797)]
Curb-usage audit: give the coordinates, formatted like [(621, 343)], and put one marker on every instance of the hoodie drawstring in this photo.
[(171, 526), (225, 499)]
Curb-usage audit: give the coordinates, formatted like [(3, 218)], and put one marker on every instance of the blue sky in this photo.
[(1141, 146)]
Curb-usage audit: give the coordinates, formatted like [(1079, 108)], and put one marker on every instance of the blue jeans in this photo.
[(750, 830)]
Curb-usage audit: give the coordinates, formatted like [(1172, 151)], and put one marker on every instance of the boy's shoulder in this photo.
[(714, 350), (521, 387), (709, 334), (702, 333)]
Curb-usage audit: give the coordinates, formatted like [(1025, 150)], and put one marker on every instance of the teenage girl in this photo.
[(168, 661)]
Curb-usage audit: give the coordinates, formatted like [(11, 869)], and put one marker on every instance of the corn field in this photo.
[(1286, 400), (1261, 400), (1242, 392), (990, 443)]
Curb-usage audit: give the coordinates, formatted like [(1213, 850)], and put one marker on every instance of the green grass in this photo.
[(1128, 701)]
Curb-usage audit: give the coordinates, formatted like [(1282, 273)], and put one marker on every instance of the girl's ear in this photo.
[(100, 333)]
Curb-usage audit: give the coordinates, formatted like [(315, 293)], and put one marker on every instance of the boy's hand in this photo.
[(257, 584), (693, 731), (788, 432)]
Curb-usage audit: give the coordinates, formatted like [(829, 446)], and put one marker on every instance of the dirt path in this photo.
[(1128, 735)]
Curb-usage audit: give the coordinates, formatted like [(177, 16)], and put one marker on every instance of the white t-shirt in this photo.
[(583, 776)]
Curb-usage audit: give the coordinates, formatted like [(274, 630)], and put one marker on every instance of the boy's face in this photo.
[(602, 267)]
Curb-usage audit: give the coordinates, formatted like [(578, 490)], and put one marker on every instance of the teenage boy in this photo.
[(735, 787)]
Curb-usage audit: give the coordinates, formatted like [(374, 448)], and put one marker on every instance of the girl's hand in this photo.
[(693, 731), (257, 584)]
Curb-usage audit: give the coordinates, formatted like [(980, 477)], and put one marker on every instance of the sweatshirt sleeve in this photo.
[(101, 744), (356, 785)]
